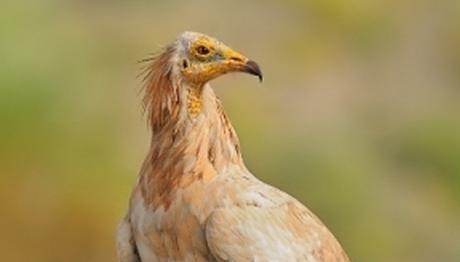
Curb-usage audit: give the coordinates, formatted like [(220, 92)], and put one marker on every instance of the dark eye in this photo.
[(202, 50)]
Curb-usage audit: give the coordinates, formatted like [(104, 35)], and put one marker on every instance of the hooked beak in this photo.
[(238, 62), (253, 68)]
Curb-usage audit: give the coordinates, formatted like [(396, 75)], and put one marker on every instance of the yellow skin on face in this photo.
[(208, 58)]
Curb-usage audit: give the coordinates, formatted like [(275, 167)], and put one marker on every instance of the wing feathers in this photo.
[(283, 233)]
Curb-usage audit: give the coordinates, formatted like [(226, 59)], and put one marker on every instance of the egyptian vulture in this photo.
[(195, 200)]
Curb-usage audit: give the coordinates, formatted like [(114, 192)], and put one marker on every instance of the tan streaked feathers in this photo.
[(158, 89)]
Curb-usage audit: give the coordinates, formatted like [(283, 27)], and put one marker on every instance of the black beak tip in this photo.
[(253, 68)]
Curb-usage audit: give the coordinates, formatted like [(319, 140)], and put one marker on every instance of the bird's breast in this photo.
[(176, 232)]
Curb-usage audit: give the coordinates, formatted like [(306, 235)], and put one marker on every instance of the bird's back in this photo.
[(266, 224)]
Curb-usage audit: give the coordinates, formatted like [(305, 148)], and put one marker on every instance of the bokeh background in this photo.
[(359, 117)]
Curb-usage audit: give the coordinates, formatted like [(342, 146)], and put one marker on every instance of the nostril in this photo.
[(236, 59)]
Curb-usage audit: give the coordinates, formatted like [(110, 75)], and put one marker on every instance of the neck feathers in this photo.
[(161, 97), (192, 138)]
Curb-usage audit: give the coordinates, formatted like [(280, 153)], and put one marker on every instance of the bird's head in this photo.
[(175, 78), (201, 58)]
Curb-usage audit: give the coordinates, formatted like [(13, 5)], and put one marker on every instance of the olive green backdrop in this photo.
[(359, 117)]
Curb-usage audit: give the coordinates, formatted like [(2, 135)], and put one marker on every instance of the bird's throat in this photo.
[(194, 100)]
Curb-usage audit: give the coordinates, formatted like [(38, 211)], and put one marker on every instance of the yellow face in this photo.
[(206, 58)]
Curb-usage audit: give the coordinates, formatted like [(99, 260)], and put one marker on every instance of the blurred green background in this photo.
[(359, 117)]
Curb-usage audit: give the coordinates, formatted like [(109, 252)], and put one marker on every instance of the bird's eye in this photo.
[(202, 50)]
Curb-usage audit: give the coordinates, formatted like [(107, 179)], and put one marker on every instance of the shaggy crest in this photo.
[(159, 92)]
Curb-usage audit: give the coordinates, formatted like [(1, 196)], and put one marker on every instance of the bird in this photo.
[(195, 199)]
